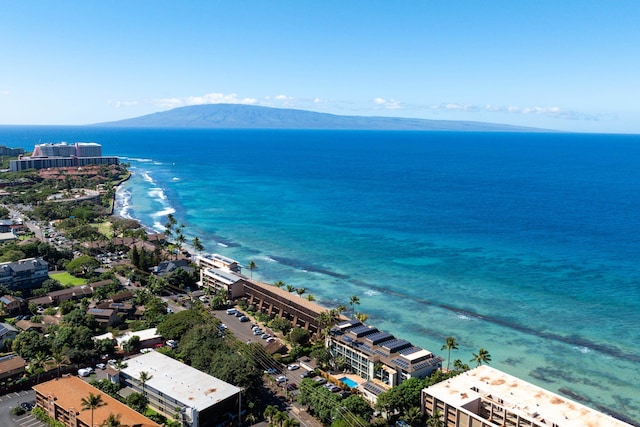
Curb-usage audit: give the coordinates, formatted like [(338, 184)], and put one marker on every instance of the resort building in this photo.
[(378, 357), (78, 149), (63, 155), (59, 162), (11, 152), (173, 387), (218, 261), (10, 304), (61, 399), (272, 300), (219, 273), (487, 397), (23, 274)]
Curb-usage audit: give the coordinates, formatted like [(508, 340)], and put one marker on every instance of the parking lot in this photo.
[(12, 400)]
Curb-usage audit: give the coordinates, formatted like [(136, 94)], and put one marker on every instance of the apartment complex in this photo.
[(218, 272), (11, 152), (62, 398), (379, 357), (63, 155), (487, 397), (173, 387), (78, 149), (23, 274)]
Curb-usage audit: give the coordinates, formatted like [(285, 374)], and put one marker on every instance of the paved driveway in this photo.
[(12, 400)]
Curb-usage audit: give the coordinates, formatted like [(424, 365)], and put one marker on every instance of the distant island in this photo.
[(238, 116)]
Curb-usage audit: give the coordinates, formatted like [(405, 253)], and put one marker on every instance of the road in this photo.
[(12, 400)]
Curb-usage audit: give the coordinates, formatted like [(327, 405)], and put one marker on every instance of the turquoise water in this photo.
[(349, 382), (524, 244)]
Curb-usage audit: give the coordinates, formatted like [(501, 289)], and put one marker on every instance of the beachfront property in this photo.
[(487, 397), (61, 399), (274, 301), (378, 357), (63, 155), (219, 273), (173, 387), (11, 152), (23, 274)]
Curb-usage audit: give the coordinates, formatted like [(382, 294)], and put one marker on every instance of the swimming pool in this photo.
[(349, 382)]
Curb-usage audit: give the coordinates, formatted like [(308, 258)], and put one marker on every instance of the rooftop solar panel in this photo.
[(395, 345), (379, 337)]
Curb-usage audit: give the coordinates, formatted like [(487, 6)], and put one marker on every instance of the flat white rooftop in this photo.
[(181, 382), (519, 397)]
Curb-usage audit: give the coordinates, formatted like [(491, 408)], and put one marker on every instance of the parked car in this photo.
[(172, 343), (101, 366), (83, 372), (281, 379), (293, 367), (292, 386), (258, 332), (231, 311), (270, 339), (244, 319), (265, 336), (320, 380), (308, 374), (26, 406), (271, 371), (239, 313)]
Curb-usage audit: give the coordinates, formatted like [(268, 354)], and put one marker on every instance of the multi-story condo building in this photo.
[(379, 357), (487, 397), (78, 149), (218, 272), (172, 386), (63, 155), (61, 399), (23, 274)]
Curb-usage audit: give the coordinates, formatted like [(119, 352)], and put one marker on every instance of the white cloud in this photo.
[(553, 111), (119, 104), (390, 104), (210, 98), (4, 92), (284, 98)]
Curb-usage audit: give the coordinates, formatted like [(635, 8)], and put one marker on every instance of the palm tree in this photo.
[(144, 377), (252, 266), (310, 297), (450, 344), (435, 419), (483, 356), (37, 364), (197, 245), (290, 288), (92, 402), (59, 359), (300, 291), (362, 317), (120, 365), (279, 284), (112, 421), (413, 416), (270, 412), (354, 300)]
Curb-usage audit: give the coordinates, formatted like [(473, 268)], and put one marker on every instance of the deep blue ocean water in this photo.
[(524, 244)]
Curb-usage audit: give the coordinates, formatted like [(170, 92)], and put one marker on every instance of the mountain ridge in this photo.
[(240, 116)]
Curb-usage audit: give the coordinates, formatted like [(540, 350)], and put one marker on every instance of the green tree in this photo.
[(362, 317), (279, 284), (299, 336), (300, 291), (112, 421), (197, 245), (252, 266), (481, 357), (450, 344), (83, 265), (37, 364), (435, 419), (137, 401), (353, 301), (92, 402), (144, 377), (174, 327)]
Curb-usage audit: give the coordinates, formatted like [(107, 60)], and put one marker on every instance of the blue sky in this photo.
[(567, 65)]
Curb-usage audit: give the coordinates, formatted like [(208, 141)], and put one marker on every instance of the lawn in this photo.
[(104, 228), (67, 279)]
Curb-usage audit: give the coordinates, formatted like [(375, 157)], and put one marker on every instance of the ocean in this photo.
[(525, 244)]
